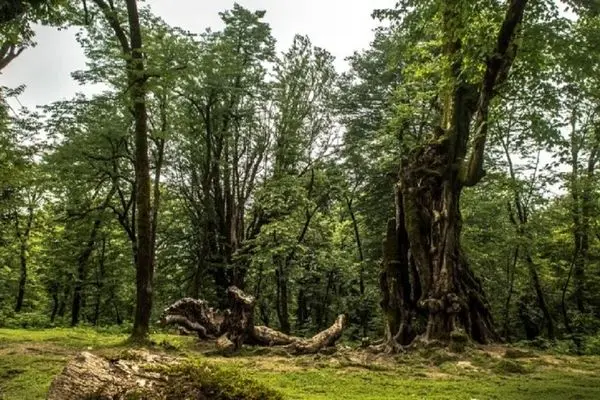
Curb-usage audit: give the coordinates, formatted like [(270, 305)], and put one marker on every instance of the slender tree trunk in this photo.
[(80, 279), (363, 312), (131, 48), (583, 204), (83, 260), (282, 299), (510, 277), (145, 252), (62, 309), (54, 306), (23, 237), (100, 282), (302, 310), (22, 276), (118, 318), (541, 298)]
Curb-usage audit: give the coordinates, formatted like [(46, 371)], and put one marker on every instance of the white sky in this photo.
[(340, 26)]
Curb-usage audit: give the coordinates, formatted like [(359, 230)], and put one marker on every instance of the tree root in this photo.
[(234, 327)]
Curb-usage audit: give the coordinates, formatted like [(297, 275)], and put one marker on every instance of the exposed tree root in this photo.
[(235, 326)]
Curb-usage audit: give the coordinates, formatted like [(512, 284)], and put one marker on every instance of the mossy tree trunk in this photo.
[(425, 271)]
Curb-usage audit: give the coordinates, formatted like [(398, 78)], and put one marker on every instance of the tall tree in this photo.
[(423, 241), (131, 47)]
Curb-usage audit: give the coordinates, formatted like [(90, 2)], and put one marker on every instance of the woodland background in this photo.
[(275, 172)]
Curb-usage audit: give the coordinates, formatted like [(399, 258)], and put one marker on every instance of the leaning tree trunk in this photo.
[(235, 326)]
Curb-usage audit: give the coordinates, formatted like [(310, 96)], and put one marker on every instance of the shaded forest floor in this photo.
[(29, 359)]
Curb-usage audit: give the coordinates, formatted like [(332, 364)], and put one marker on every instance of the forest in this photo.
[(251, 223)]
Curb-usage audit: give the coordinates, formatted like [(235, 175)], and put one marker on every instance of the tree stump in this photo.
[(142, 375), (89, 376)]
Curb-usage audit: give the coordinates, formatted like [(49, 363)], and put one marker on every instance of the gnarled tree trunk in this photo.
[(235, 326), (425, 271)]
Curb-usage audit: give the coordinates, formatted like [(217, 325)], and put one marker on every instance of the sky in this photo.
[(340, 26)]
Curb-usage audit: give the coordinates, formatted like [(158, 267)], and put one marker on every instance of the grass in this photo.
[(29, 359)]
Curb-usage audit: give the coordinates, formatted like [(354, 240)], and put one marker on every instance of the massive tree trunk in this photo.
[(422, 246), (235, 326)]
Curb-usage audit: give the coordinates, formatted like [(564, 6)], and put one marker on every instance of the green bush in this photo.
[(591, 345), (25, 320)]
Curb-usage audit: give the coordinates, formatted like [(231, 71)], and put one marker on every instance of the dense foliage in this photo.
[(274, 172)]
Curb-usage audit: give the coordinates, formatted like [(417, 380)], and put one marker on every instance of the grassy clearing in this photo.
[(29, 359)]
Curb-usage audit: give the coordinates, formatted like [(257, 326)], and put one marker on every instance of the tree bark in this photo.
[(89, 376), (422, 244), (131, 48), (235, 326), (145, 262)]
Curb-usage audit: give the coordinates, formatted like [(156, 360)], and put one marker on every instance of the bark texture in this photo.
[(429, 291), (88, 376), (235, 326), (143, 241)]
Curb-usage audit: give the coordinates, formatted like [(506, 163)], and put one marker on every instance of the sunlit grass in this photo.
[(29, 359)]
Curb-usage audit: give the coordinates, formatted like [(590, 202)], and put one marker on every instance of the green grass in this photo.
[(29, 359)]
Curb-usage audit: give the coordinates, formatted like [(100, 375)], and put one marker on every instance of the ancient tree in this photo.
[(425, 273)]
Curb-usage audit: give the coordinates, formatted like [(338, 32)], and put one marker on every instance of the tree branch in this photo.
[(496, 73)]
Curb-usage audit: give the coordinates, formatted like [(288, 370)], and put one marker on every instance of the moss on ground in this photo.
[(29, 359)]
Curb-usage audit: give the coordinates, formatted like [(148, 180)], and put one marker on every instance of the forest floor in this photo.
[(29, 359)]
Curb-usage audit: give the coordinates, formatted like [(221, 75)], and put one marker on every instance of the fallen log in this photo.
[(235, 326)]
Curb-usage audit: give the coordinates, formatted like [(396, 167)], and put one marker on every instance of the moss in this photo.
[(458, 341), (440, 356), (510, 367), (199, 379), (517, 353), (30, 359)]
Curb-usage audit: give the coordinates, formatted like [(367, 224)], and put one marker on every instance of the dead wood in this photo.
[(234, 327)]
